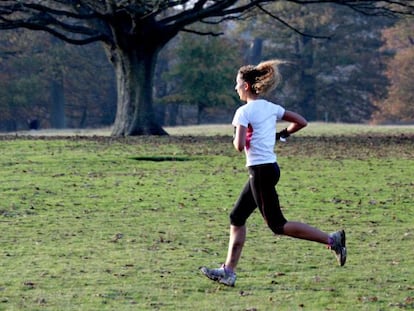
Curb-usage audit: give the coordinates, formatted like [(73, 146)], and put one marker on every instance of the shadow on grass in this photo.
[(161, 159)]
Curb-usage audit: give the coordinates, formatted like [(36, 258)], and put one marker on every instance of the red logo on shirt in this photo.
[(249, 135)]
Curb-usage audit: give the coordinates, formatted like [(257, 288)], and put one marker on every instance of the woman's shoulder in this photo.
[(273, 105), (261, 105)]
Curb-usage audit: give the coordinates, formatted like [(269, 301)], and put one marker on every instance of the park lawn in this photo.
[(98, 223)]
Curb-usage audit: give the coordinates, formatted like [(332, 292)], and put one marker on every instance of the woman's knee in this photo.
[(278, 227), (236, 220)]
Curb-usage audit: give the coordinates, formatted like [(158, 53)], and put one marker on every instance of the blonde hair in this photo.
[(263, 78)]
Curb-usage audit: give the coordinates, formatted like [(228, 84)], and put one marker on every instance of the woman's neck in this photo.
[(250, 99)]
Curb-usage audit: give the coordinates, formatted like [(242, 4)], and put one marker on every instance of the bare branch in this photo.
[(370, 7), (201, 33), (84, 21), (57, 12), (284, 23), (64, 22)]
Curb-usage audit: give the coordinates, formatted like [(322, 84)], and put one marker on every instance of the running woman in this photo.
[(255, 131)]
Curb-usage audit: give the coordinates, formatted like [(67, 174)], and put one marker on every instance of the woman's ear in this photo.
[(246, 86)]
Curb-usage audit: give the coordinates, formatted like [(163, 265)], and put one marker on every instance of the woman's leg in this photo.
[(236, 242), (243, 208), (263, 181), (305, 232), (263, 185)]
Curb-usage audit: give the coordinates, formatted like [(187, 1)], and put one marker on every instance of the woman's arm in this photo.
[(239, 140), (297, 122)]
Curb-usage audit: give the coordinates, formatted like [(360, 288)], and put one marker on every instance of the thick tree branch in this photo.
[(37, 26), (85, 21), (62, 23), (189, 16), (59, 12)]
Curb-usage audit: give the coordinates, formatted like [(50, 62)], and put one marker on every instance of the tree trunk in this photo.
[(134, 69), (172, 114), (57, 118), (255, 51), (307, 80)]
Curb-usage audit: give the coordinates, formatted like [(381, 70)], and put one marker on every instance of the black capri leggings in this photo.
[(260, 191)]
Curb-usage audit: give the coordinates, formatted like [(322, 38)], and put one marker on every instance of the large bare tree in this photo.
[(134, 31)]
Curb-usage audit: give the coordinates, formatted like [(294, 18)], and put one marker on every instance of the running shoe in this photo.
[(221, 275), (339, 246)]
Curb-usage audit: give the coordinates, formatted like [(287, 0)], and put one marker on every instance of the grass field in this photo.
[(313, 129), (101, 223)]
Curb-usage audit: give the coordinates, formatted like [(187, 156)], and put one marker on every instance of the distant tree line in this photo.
[(341, 67), (46, 83), (397, 106)]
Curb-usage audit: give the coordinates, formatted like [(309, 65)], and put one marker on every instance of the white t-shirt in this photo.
[(260, 117)]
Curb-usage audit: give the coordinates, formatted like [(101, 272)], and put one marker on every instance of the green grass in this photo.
[(313, 129), (97, 223)]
